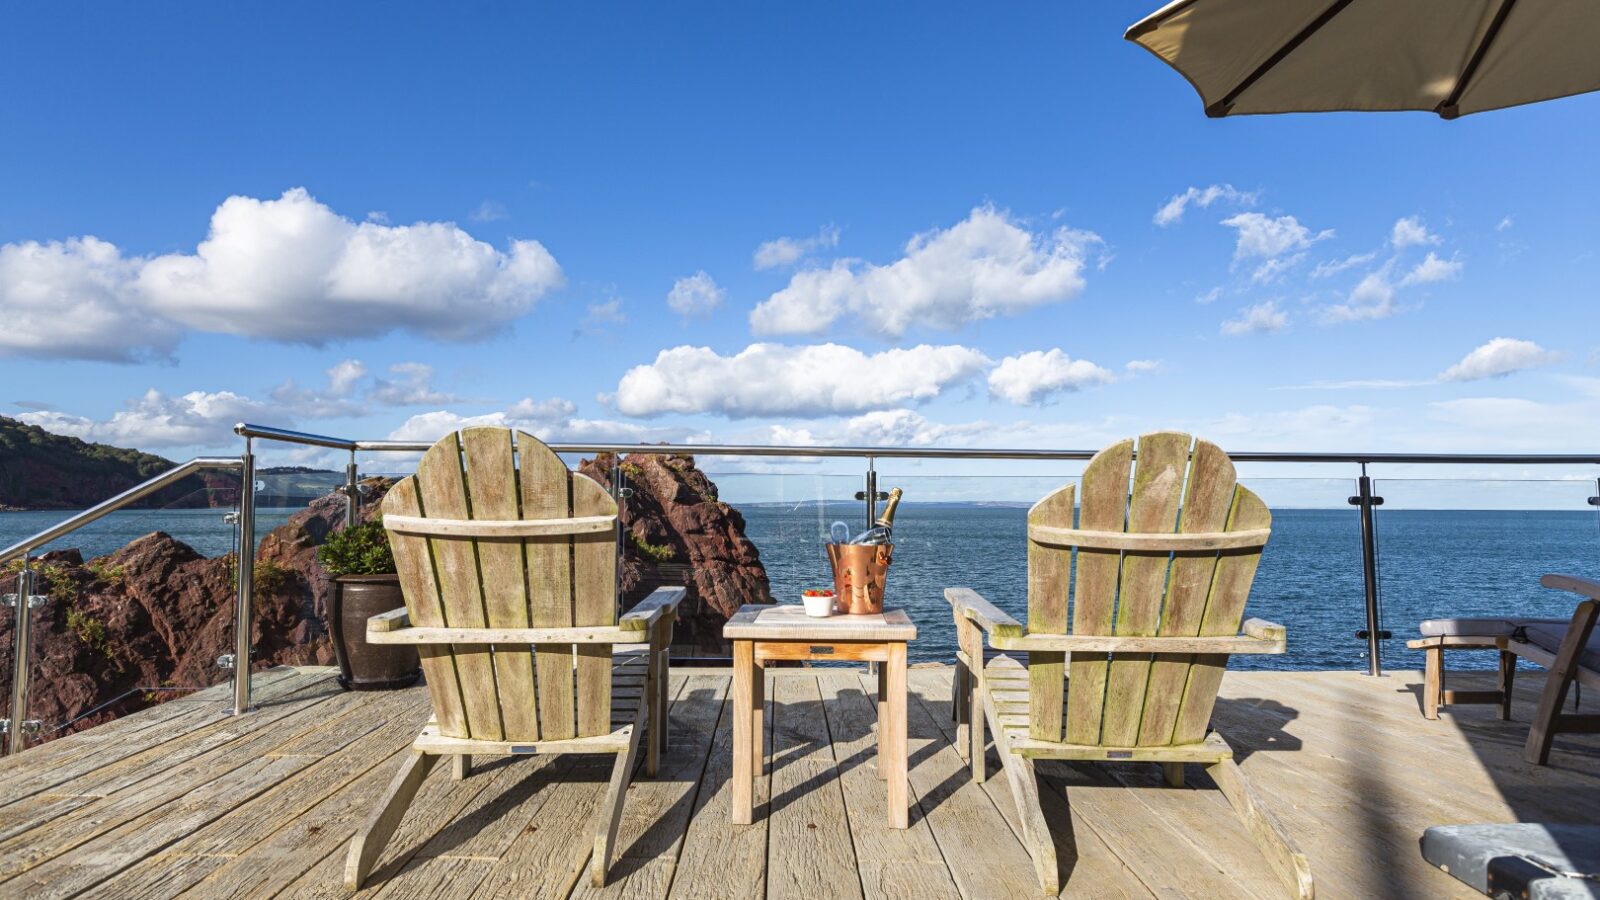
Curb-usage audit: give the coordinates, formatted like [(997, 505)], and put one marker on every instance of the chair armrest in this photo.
[(651, 608), (969, 604), (393, 620), (1262, 630), (1585, 586)]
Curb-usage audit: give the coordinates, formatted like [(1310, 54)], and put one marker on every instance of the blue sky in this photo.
[(490, 210)]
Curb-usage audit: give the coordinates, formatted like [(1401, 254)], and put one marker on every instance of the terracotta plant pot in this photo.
[(364, 666)]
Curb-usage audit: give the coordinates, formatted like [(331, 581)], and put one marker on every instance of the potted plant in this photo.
[(361, 568)]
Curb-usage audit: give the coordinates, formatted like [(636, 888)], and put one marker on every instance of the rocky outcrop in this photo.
[(679, 532), (146, 623), (143, 624)]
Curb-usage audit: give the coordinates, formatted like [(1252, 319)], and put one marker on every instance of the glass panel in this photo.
[(1460, 548), (140, 605)]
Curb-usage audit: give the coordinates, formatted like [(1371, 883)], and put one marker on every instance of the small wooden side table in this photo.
[(767, 631)]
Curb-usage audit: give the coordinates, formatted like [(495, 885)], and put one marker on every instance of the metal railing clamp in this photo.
[(226, 661), (230, 518), (34, 600)]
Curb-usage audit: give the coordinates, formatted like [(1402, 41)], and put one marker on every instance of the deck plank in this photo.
[(891, 862), (191, 804)]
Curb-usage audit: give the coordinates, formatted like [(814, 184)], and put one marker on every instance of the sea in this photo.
[(1432, 563)]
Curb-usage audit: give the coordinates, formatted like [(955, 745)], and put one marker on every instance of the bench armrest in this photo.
[(1262, 630), (393, 620), (970, 605), (660, 602)]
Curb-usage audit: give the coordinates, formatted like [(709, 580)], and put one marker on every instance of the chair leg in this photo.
[(1562, 672), (655, 696), (959, 708), (1172, 773), (610, 817), (1508, 677), (1432, 682), (380, 825), (1270, 836), (461, 766), (1023, 780), (977, 715)]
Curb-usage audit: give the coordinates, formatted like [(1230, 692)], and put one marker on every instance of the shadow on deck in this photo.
[(179, 801)]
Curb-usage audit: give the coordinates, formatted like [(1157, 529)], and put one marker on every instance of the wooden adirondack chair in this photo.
[(510, 579), (1158, 583)]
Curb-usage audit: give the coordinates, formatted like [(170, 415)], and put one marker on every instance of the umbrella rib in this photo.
[(1225, 105), (1449, 107)]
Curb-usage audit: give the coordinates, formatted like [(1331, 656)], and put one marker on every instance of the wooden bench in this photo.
[(1574, 658)]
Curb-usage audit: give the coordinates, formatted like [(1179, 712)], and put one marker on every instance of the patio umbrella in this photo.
[(1451, 57)]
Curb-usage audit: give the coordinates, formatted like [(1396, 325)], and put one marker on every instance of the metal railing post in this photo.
[(1374, 634), (243, 614), (872, 491), (352, 492), (21, 650)]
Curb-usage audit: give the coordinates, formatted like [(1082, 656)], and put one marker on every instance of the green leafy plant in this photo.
[(110, 573), (358, 550), (91, 632), (269, 576), (659, 552)]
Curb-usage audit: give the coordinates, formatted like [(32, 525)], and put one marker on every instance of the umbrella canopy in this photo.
[(1451, 57)]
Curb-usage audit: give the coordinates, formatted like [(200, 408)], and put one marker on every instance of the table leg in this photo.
[(743, 694), (758, 720), (883, 716), (892, 737)]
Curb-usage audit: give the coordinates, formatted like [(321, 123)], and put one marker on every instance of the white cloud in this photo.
[(292, 269), (1505, 224), (1332, 267), (71, 299), (342, 377), (695, 295), (786, 251), (1432, 269), (1499, 357), (1209, 296), (411, 386), (549, 420), (1410, 232), (1372, 298), (984, 266), (198, 418), (489, 211), (289, 269), (607, 313), (1142, 366), (1030, 377), (1263, 318), (1267, 237), (776, 380), (1172, 211)]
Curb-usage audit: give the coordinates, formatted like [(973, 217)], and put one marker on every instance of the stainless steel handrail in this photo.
[(16, 738), (100, 510), (316, 440)]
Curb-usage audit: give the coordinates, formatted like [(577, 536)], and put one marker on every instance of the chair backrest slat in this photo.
[(1173, 589), (491, 472), (508, 692), (1230, 588), (1104, 507), (1206, 502), (594, 576), (413, 562), (1157, 491), (443, 487), (1048, 570), (546, 488)]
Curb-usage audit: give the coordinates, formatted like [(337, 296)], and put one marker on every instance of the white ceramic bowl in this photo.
[(818, 607)]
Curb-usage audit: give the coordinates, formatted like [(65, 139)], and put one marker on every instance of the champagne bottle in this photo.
[(882, 531)]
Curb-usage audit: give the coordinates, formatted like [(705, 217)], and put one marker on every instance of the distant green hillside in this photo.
[(40, 470)]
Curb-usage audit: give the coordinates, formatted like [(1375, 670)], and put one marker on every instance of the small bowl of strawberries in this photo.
[(819, 603)]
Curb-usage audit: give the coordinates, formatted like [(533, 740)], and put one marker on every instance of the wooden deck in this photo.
[(178, 801)]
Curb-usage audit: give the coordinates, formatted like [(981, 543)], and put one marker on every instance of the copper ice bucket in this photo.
[(859, 571)]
